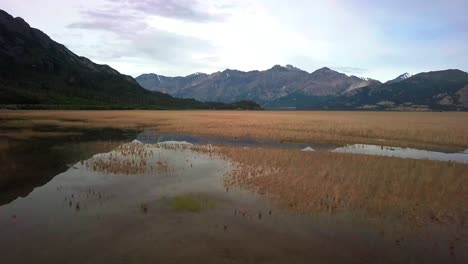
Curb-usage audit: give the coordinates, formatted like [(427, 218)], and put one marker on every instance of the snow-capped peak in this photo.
[(405, 76), (196, 74), (361, 77), (400, 78)]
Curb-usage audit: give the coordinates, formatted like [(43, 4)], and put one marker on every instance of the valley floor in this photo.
[(434, 130), (227, 198)]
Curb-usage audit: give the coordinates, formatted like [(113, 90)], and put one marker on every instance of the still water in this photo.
[(367, 149), (104, 197)]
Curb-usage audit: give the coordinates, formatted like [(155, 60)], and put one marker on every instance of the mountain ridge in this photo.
[(261, 86), (324, 88), (445, 90)]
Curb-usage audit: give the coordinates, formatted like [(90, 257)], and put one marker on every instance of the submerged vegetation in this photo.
[(414, 191), (192, 203)]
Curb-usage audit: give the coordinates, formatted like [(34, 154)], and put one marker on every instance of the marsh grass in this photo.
[(137, 158), (417, 191), (192, 203), (441, 131), (130, 159)]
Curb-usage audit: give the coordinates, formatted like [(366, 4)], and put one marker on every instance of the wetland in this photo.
[(90, 187)]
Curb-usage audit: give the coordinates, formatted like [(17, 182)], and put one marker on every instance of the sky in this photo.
[(376, 39)]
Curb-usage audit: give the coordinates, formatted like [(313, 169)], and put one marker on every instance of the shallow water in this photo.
[(98, 211), (27, 164), (152, 137), (117, 206), (367, 149), (408, 153)]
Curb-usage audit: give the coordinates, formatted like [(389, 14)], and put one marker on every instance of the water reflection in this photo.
[(403, 152), (367, 149), (27, 164), (128, 197), (151, 137)]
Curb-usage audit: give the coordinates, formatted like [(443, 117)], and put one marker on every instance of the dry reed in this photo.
[(427, 130), (136, 158), (418, 191)]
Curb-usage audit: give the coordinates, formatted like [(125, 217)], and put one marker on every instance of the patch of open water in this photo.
[(117, 206), (367, 149)]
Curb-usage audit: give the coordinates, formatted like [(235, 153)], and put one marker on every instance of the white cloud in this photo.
[(179, 37)]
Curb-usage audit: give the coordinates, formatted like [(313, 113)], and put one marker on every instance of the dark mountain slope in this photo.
[(37, 72), (400, 78), (438, 90)]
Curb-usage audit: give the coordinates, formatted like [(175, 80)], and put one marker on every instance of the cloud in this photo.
[(127, 18), (183, 36), (131, 38), (188, 10), (112, 19)]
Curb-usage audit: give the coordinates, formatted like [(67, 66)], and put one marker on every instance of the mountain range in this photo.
[(260, 86), (292, 88), (37, 72)]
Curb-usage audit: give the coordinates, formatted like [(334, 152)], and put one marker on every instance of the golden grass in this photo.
[(418, 191), (424, 130)]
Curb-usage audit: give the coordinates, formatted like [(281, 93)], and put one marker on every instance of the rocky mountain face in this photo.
[(169, 85), (37, 72), (326, 82), (292, 88), (260, 86), (438, 90), (400, 78)]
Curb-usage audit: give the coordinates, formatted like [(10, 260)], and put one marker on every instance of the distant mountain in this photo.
[(400, 78), (37, 72), (170, 85), (437, 90), (326, 82), (259, 86), (292, 88)]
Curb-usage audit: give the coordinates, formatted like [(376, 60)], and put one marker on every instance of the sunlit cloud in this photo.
[(378, 39)]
